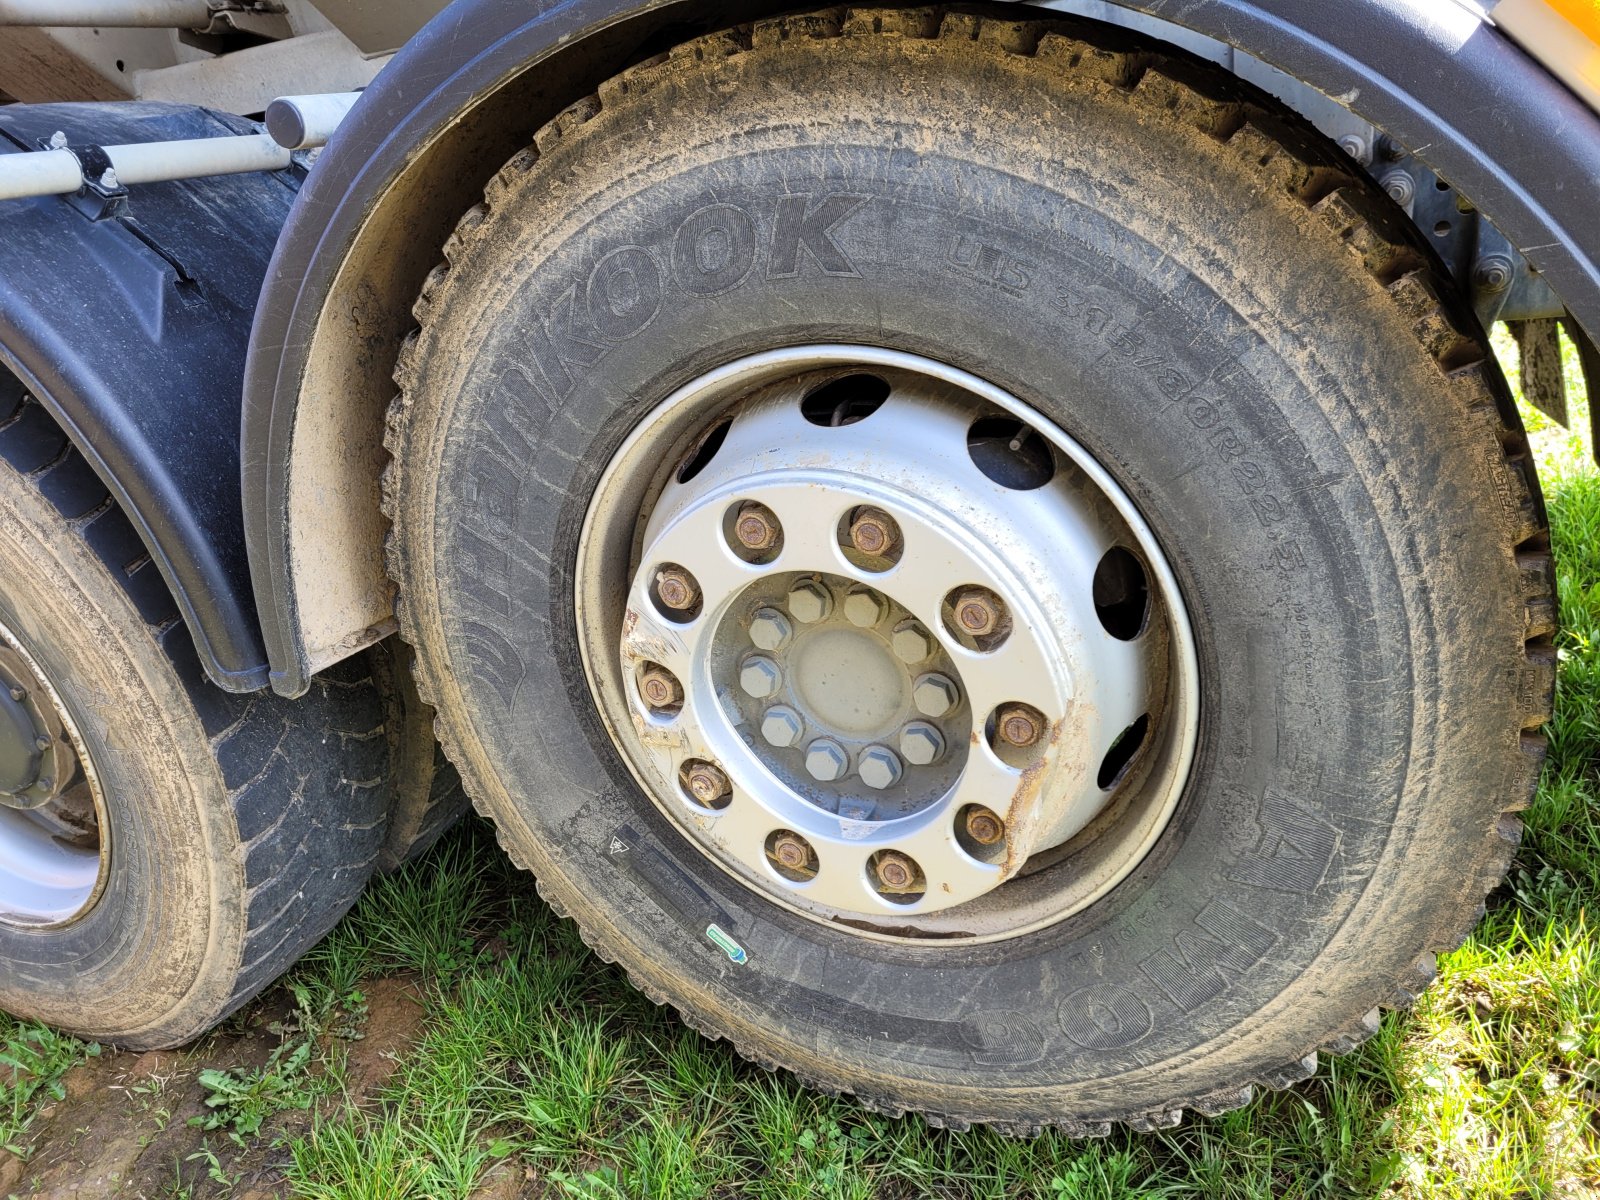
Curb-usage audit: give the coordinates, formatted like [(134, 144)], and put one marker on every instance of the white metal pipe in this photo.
[(44, 173), (302, 121), (107, 14)]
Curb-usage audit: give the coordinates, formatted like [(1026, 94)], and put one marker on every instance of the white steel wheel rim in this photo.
[(46, 882), (1069, 836)]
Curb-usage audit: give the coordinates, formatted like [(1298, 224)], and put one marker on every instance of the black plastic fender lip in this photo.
[(129, 323)]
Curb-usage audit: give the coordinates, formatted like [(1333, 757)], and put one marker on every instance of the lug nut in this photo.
[(18, 694), (863, 608), (792, 853), (910, 643), (781, 726), (677, 589), (760, 677), (706, 783), (984, 826), (977, 611), (874, 532), (934, 695), (896, 872), (921, 743), (878, 768), (660, 688), (1018, 724), (809, 602), (41, 743), (826, 760), (769, 629), (755, 526)]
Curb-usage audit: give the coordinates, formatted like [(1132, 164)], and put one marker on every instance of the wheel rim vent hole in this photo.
[(975, 828), (870, 538), (1124, 749), (1010, 453), (1122, 594), (704, 450), (844, 401), (753, 532), (976, 617), (675, 594), (896, 877)]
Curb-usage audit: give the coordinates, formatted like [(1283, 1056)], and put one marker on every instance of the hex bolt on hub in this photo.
[(1019, 725), (756, 528), (874, 532), (810, 602), (792, 855), (911, 643), (760, 677), (897, 875), (826, 760), (706, 783), (660, 689), (781, 726), (677, 588), (934, 695), (770, 629), (921, 743), (984, 826), (863, 608), (879, 768)]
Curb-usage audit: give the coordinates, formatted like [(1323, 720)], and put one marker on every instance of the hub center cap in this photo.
[(850, 682)]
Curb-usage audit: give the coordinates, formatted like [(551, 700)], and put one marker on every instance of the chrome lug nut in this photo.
[(826, 760), (910, 643), (1019, 724), (874, 532), (660, 688), (878, 768), (677, 588), (977, 611), (755, 526), (706, 783), (760, 677), (863, 608), (770, 629), (934, 695), (809, 602), (781, 726), (921, 743)]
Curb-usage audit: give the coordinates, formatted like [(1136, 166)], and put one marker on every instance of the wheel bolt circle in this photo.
[(755, 526), (677, 588), (977, 612), (706, 782), (809, 602), (759, 677), (770, 629), (1019, 724), (984, 826), (934, 695), (781, 726), (660, 687), (896, 872), (921, 743), (874, 532), (826, 760), (878, 767), (863, 608)]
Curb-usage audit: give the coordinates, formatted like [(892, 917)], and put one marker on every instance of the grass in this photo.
[(540, 1068)]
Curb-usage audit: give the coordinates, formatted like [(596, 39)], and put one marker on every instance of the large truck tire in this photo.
[(166, 849), (427, 795), (986, 565)]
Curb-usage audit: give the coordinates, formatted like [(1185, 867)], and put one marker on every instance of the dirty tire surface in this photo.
[(243, 827), (1198, 289)]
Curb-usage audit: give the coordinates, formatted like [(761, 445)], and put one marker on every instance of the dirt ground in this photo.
[(128, 1126)]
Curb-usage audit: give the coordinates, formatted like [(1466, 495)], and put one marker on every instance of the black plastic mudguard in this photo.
[(127, 316)]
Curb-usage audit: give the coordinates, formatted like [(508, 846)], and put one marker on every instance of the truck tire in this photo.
[(428, 798), (825, 356), (166, 849)]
